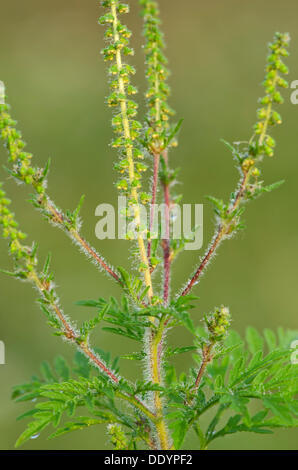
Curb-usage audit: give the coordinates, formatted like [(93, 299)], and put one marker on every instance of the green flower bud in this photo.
[(276, 117), (218, 323), (117, 437), (270, 141), (256, 172), (105, 19), (122, 185)]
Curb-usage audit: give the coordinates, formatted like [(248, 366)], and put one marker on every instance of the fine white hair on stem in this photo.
[(2, 92)]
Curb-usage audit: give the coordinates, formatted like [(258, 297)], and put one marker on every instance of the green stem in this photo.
[(138, 404), (201, 436), (268, 115), (155, 366), (129, 153), (14, 146), (220, 234)]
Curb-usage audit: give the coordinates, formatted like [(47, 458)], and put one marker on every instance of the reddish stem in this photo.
[(98, 363), (207, 357), (60, 219), (153, 201), (166, 245), (217, 239), (166, 240), (204, 262), (96, 256)]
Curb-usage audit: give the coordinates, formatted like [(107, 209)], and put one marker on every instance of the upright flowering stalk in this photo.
[(158, 137), (158, 128), (128, 130), (157, 73), (250, 156), (262, 142), (124, 123)]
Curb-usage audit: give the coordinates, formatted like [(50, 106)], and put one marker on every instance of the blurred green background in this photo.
[(56, 82)]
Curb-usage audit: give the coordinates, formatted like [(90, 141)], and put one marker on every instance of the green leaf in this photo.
[(81, 422), (271, 187), (47, 264), (119, 331), (236, 153), (270, 338), (27, 414), (237, 369), (46, 371), (179, 429), (82, 365), (279, 408), (170, 374), (173, 134), (62, 368), (134, 356), (79, 207), (254, 340), (34, 428), (88, 303), (174, 351)]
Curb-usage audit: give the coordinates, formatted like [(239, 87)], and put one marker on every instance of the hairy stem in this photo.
[(156, 155), (166, 241), (268, 115), (71, 335), (153, 202), (68, 330), (61, 220), (207, 357), (155, 367), (259, 145), (129, 153), (201, 436), (23, 171), (220, 234)]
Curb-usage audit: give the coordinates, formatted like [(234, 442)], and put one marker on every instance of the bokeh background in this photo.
[(56, 82)]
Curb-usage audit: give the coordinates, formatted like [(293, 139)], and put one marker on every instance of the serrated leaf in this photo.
[(179, 429), (173, 352), (88, 303), (62, 367), (82, 365), (254, 340), (81, 422), (270, 338), (279, 408), (47, 372), (33, 430)]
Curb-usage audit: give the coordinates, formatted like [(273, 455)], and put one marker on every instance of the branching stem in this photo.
[(14, 144), (220, 233)]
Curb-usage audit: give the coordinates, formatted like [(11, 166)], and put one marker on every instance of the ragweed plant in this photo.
[(245, 384)]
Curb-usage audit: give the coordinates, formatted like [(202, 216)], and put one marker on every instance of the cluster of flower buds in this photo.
[(117, 437), (218, 323), (23, 255), (125, 125), (22, 167), (274, 80), (157, 74)]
